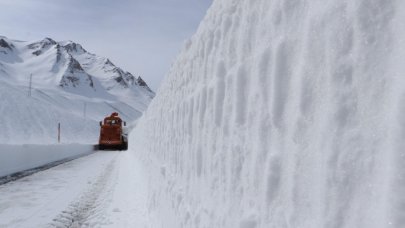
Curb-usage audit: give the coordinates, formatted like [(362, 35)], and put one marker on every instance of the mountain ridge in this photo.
[(70, 64), (45, 83)]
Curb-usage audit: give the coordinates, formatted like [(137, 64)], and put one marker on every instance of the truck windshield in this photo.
[(111, 122)]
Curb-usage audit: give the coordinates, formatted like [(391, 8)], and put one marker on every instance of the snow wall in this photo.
[(282, 113), (17, 158)]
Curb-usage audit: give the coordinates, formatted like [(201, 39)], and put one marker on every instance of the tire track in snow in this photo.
[(88, 204)]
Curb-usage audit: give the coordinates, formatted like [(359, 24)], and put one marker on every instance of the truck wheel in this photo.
[(124, 145)]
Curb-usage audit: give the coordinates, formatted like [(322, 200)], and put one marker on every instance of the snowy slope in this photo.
[(66, 89), (282, 114)]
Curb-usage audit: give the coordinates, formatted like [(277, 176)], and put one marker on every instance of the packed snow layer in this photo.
[(16, 158), (282, 114)]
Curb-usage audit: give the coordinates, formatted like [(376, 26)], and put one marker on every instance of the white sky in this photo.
[(140, 36)]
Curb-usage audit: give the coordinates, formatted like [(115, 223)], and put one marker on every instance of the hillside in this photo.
[(68, 85)]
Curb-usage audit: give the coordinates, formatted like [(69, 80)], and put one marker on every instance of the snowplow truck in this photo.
[(112, 135)]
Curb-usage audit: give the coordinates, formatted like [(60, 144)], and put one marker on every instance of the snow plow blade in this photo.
[(123, 146)]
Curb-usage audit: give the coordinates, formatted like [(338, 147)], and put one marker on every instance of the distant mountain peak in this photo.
[(5, 44), (48, 40), (141, 82), (68, 65), (41, 46), (108, 62), (71, 46)]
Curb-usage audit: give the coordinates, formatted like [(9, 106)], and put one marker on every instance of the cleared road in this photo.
[(104, 189)]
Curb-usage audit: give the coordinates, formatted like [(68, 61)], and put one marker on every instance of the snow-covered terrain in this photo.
[(69, 85), (282, 114), (17, 158), (104, 189), (276, 114)]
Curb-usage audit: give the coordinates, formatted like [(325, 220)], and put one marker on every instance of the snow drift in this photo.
[(282, 114), (16, 158)]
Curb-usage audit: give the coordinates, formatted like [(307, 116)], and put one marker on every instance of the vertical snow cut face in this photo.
[(282, 114)]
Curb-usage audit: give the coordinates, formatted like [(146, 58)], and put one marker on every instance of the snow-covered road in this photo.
[(105, 189)]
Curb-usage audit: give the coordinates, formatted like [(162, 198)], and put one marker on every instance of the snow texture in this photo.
[(16, 158), (42, 199), (104, 189), (282, 114)]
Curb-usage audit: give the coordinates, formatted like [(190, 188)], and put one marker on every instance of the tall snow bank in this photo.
[(282, 114), (17, 158)]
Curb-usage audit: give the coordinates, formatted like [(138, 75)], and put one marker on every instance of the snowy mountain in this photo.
[(69, 85), (282, 114), (68, 65)]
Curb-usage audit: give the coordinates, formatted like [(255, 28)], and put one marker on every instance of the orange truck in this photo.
[(112, 135)]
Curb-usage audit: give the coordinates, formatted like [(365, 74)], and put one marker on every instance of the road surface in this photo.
[(104, 189)]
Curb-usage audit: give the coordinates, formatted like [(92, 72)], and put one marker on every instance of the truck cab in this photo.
[(112, 135)]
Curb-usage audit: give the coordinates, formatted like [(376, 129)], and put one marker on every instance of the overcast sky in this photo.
[(140, 36)]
